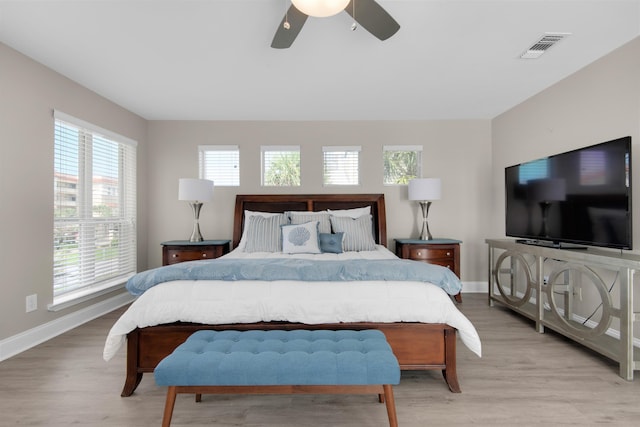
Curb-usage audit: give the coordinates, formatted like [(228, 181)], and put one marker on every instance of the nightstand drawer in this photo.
[(176, 251), (180, 255), (445, 262), (445, 252), (418, 253)]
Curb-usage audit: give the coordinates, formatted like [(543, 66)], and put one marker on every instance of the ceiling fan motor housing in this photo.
[(320, 8)]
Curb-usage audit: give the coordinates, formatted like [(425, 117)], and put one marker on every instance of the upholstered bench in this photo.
[(281, 362)]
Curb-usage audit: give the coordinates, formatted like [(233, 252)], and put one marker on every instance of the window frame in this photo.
[(203, 150), (119, 227), (419, 149), (282, 149), (346, 149)]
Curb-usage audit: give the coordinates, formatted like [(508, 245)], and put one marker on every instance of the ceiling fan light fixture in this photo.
[(320, 8)]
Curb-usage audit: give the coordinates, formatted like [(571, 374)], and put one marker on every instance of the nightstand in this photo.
[(444, 252), (175, 251)]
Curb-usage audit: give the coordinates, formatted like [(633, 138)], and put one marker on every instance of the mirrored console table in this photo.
[(583, 294)]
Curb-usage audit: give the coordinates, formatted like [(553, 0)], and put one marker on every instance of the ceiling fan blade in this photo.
[(370, 15), (284, 38)]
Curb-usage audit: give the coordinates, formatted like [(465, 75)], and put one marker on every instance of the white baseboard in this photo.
[(23, 341), (475, 287)]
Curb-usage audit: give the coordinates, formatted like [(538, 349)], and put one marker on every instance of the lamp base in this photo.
[(425, 234), (196, 236)]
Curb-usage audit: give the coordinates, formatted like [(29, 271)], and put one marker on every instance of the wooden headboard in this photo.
[(310, 202)]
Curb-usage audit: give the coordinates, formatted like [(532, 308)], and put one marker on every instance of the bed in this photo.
[(419, 319)]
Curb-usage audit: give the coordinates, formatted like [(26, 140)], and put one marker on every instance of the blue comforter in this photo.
[(297, 269)]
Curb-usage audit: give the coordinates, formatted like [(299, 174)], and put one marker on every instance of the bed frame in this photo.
[(418, 346)]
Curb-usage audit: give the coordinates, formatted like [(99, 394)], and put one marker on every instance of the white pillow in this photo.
[(357, 232), (301, 238), (351, 213), (248, 214)]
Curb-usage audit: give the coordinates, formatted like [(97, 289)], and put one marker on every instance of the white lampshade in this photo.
[(425, 189), (320, 8), (200, 190)]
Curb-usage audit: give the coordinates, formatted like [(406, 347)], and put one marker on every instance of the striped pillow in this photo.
[(357, 232), (263, 233), (247, 215), (301, 217)]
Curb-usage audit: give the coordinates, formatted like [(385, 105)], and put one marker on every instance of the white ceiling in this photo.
[(212, 60)]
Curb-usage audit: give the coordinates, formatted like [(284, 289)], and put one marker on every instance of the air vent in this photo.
[(543, 44)]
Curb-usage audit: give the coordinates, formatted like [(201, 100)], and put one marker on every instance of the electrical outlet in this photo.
[(32, 303)]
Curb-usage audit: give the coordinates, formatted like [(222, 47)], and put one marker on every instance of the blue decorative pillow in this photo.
[(300, 238), (331, 243)]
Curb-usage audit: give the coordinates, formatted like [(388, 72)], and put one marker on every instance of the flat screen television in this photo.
[(580, 197)]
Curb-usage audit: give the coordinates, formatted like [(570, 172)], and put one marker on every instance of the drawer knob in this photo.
[(175, 255), (448, 253), (419, 253), (204, 255)]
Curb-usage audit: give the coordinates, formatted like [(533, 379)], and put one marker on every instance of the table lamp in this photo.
[(195, 191), (425, 190)]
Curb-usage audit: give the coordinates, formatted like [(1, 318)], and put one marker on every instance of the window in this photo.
[(281, 165), (94, 228), (341, 165), (220, 164), (402, 163)]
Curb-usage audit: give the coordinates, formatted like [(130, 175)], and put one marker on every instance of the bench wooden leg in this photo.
[(391, 405), (385, 397), (168, 406)]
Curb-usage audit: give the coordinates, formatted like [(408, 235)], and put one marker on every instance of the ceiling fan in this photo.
[(367, 13)]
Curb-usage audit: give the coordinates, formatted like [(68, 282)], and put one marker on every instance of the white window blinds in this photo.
[(94, 230), (220, 164), (341, 165), (401, 163)]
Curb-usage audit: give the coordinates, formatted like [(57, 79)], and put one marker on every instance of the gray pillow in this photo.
[(301, 217), (264, 234), (357, 232)]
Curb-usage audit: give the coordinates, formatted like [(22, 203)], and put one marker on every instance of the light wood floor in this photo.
[(524, 378)]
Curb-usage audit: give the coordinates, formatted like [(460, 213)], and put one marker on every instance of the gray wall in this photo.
[(29, 93), (598, 103), (457, 151)]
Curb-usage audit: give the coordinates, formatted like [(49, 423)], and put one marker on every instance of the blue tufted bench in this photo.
[(281, 362)]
